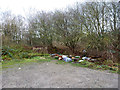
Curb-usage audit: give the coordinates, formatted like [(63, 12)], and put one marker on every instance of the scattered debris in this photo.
[(77, 56), (66, 59), (69, 58), (76, 59), (19, 68), (93, 60), (64, 56), (80, 60), (60, 58), (73, 57), (84, 58), (88, 58)]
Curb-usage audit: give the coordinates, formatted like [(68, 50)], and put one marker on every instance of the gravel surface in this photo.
[(52, 75)]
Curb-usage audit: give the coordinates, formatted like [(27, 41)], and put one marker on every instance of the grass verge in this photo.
[(12, 63), (91, 65)]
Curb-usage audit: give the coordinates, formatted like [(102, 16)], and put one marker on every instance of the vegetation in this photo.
[(91, 65), (92, 26), (12, 63)]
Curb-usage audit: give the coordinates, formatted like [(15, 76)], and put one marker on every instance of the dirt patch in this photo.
[(51, 75)]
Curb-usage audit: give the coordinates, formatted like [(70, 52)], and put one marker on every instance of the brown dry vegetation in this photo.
[(93, 27)]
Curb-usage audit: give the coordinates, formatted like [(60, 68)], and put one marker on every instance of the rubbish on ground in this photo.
[(73, 57), (70, 56), (56, 57), (67, 59), (84, 58), (88, 58), (77, 56), (80, 60), (19, 68), (64, 56), (53, 55), (76, 59), (60, 58), (93, 59)]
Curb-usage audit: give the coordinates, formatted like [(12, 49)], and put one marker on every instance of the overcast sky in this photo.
[(22, 6)]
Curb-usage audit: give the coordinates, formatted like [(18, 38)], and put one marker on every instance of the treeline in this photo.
[(93, 27)]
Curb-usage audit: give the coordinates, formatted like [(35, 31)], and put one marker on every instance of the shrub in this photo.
[(6, 57), (9, 53), (108, 62), (24, 55), (114, 68), (88, 64), (99, 67), (105, 67)]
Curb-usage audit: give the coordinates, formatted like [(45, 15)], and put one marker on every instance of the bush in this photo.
[(99, 67), (108, 62), (36, 54), (88, 64), (114, 68), (9, 53), (106, 67), (24, 55), (6, 57)]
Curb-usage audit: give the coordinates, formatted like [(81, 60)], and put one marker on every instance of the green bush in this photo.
[(114, 68), (24, 55), (99, 67), (9, 53), (105, 67), (6, 57)]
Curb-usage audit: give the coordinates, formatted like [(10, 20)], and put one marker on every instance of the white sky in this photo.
[(22, 6)]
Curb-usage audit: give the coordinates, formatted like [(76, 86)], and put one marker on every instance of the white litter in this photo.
[(88, 58), (19, 68), (80, 60), (93, 59), (64, 56), (84, 58)]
